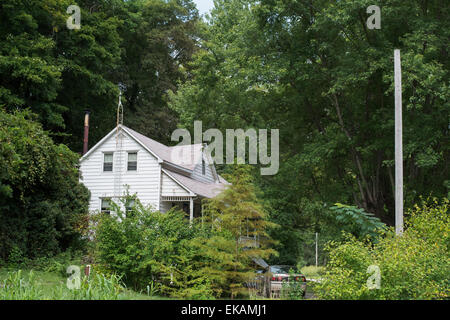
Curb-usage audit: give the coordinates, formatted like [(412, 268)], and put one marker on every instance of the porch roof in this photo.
[(207, 190)]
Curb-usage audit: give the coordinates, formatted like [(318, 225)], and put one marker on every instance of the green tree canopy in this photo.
[(43, 207), (315, 71), (59, 73)]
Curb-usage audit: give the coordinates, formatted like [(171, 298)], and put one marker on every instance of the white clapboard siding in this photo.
[(144, 182), (165, 206), (197, 174), (172, 188)]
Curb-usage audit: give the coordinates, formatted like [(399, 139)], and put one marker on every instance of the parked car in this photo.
[(279, 274)]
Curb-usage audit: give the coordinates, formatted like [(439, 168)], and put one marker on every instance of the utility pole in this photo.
[(398, 145), (317, 249)]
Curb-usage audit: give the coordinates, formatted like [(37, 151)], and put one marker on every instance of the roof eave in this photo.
[(160, 160), (178, 167)]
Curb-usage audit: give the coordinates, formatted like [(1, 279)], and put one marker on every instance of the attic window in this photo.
[(108, 162), (132, 161), (203, 167)]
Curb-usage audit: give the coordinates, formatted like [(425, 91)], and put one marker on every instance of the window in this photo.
[(129, 205), (106, 206), (108, 162), (132, 161), (203, 167)]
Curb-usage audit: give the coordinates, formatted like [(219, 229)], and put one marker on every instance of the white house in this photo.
[(159, 175)]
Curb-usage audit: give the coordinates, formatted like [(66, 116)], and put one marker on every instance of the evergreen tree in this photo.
[(239, 218)]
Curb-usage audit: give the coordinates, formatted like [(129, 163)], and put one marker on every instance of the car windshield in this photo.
[(281, 269)]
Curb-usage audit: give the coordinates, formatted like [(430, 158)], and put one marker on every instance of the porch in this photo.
[(190, 205)]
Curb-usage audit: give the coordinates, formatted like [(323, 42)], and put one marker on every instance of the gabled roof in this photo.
[(186, 156), (109, 135)]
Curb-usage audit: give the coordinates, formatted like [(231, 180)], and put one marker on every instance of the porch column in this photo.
[(191, 209)]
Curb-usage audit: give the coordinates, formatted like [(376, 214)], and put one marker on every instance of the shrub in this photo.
[(59, 263), (142, 245), (16, 257), (312, 271), (356, 221), (200, 260), (414, 265), (292, 290), (42, 203)]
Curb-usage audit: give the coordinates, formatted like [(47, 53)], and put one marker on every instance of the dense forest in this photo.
[(311, 69)]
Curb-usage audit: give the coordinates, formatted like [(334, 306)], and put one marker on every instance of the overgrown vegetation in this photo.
[(241, 225), (311, 69), (203, 260), (43, 206), (20, 286), (312, 271), (414, 265)]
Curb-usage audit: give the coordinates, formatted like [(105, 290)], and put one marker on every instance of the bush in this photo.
[(312, 271), (292, 290), (163, 252), (415, 265), (356, 221), (196, 260), (42, 203), (144, 246), (57, 264)]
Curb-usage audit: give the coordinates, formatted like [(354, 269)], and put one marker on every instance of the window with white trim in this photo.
[(108, 161), (132, 161)]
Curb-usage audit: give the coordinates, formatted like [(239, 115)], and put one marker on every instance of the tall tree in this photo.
[(242, 221), (56, 71), (60, 72), (315, 71), (43, 206), (159, 38)]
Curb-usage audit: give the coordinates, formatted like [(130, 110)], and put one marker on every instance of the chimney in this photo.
[(86, 132)]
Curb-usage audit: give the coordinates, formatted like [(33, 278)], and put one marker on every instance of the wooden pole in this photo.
[(317, 249), (398, 145)]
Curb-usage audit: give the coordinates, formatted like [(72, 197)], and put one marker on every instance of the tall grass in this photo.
[(16, 286)]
